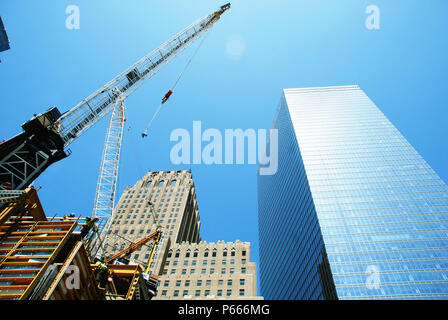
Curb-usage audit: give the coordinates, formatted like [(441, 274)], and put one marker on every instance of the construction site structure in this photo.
[(46, 259)]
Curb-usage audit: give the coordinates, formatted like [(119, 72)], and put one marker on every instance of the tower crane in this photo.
[(46, 137)]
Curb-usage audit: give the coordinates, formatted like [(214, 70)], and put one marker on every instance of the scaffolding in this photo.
[(47, 259)]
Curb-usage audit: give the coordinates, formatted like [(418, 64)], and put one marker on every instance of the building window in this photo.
[(199, 283), (207, 293), (220, 282), (223, 271), (198, 293), (229, 282), (208, 283), (176, 293), (212, 270), (187, 255), (243, 253), (242, 282), (243, 261), (232, 253), (178, 283), (241, 292), (185, 293), (243, 270), (177, 253), (206, 253), (184, 271), (232, 270), (195, 254), (163, 293), (229, 292), (187, 283), (203, 271), (166, 283), (219, 293)]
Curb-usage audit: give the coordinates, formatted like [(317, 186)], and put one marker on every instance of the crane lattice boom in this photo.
[(46, 136), (79, 119), (107, 178)]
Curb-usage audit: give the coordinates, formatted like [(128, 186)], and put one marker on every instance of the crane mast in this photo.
[(45, 137), (107, 178)]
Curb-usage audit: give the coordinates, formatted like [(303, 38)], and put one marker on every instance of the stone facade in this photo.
[(188, 268), (203, 270)]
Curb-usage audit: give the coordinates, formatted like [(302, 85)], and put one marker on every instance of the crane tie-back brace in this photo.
[(168, 94)]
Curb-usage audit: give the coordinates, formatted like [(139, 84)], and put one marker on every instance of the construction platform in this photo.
[(46, 259)]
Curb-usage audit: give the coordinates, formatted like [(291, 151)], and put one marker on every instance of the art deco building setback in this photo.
[(208, 271), (160, 199)]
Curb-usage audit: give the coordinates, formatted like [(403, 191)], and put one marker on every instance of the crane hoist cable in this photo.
[(170, 92)]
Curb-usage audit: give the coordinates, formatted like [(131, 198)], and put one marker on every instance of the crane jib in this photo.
[(83, 116), (45, 138)]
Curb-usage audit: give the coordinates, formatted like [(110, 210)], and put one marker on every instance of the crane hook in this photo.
[(167, 96)]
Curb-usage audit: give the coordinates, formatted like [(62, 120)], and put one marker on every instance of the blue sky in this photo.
[(256, 49)]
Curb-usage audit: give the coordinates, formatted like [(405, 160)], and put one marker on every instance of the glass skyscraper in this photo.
[(353, 212)]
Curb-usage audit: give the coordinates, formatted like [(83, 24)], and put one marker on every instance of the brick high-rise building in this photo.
[(165, 199), (209, 270), (188, 268)]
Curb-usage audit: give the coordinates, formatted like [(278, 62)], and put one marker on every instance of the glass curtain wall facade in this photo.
[(353, 212)]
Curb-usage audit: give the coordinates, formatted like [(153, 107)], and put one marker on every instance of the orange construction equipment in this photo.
[(123, 253)]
